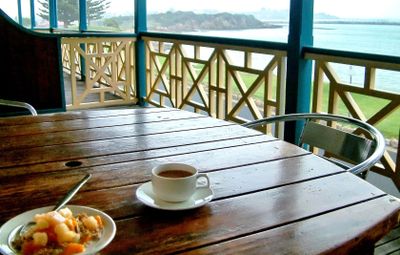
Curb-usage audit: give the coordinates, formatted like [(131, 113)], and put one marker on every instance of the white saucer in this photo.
[(201, 197)]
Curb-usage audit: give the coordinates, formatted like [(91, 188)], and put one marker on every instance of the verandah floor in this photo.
[(390, 244)]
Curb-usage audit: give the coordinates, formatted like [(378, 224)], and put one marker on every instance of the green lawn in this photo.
[(369, 105)]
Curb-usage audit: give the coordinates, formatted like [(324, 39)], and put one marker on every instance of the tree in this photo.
[(111, 22), (68, 11), (97, 8)]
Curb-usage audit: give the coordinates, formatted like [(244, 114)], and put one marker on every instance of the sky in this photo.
[(341, 8), (359, 8), (375, 9)]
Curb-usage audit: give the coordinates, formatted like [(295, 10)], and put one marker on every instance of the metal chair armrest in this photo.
[(19, 104), (377, 136)]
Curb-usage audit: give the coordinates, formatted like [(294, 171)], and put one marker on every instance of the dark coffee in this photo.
[(175, 173)]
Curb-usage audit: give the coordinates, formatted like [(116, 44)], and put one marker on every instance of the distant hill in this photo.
[(268, 14), (178, 21), (190, 21), (324, 16)]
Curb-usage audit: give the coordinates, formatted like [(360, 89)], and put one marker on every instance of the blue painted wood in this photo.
[(53, 14), (298, 85), (140, 26), (140, 16), (83, 28), (219, 40), (356, 55), (88, 34), (33, 18), (82, 15), (19, 12)]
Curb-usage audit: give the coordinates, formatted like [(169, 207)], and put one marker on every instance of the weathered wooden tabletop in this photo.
[(271, 197)]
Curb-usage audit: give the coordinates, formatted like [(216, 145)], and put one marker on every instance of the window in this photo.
[(116, 16), (252, 19), (10, 8), (26, 13), (41, 19), (102, 15), (375, 28), (67, 14)]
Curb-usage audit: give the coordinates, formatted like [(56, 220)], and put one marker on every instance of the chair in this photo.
[(19, 104), (32, 69), (352, 152)]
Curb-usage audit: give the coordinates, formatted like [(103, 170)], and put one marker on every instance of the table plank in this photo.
[(72, 115), (247, 179), (37, 187), (140, 169), (114, 146), (114, 194), (345, 231), (162, 232), (109, 132), (84, 124), (131, 156)]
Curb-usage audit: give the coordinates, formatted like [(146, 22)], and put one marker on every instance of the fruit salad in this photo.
[(60, 233)]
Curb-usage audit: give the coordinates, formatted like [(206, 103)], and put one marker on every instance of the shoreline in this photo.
[(343, 22)]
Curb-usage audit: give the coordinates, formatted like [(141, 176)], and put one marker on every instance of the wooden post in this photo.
[(33, 19), (53, 14), (82, 16), (19, 12), (298, 90), (140, 26), (83, 28)]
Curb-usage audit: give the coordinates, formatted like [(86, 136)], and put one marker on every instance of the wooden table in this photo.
[(271, 197)]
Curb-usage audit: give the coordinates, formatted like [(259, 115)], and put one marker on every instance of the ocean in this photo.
[(377, 39)]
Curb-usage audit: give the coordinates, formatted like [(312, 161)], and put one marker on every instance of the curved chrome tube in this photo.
[(376, 135), (19, 104)]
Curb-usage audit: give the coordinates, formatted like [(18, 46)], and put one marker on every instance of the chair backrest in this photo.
[(31, 71), (18, 104), (343, 145), (362, 151)]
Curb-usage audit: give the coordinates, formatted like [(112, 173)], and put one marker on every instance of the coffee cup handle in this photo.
[(207, 185)]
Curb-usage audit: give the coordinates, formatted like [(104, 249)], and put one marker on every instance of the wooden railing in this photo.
[(215, 79), (342, 95), (101, 71)]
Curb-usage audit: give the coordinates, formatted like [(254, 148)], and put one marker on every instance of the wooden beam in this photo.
[(53, 14), (140, 51), (32, 12), (298, 84)]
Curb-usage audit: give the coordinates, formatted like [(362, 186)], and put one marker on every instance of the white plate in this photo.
[(93, 247), (145, 194)]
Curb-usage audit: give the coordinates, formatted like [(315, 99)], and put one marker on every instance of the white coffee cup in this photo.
[(176, 182)]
